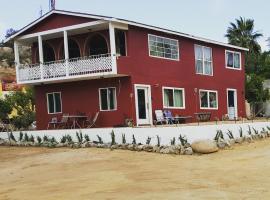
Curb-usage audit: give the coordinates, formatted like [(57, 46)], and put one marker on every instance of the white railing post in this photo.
[(113, 48), (66, 52), (17, 60), (41, 60)]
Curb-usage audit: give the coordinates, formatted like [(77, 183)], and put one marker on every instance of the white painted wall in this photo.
[(166, 133)]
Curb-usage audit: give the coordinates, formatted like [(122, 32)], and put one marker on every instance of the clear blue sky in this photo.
[(205, 18)]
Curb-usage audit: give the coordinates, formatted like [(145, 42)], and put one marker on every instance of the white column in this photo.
[(41, 60), (17, 59), (113, 48), (66, 52)]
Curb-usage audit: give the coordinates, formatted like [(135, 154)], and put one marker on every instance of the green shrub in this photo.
[(31, 138), (183, 140), (133, 139), (79, 137), (21, 136), (100, 141), (148, 140), (26, 138), (173, 141), (158, 141), (86, 137), (39, 139), (124, 139), (230, 134), (241, 132), (113, 138)]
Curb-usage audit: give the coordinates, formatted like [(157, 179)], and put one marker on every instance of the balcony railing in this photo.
[(63, 69)]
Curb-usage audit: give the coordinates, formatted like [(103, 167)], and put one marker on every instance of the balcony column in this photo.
[(41, 60), (17, 59), (66, 52), (112, 46)]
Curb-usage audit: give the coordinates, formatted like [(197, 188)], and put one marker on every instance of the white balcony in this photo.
[(91, 66)]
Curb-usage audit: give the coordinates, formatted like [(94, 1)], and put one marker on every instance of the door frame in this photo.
[(148, 87), (235, 101)]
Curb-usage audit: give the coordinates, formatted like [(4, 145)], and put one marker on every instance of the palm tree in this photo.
[(242, 34)]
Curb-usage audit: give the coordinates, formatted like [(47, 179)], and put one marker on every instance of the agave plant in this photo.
[(21, 136), (86, 137), (173, 141), (124, 139), (255, 131), (113, 142), (219, 135), (249, 130), (148, 140), (230, 134), (241, 132), (39, 139), (158, 141), (182, 140), (100, 141), (79, 136)]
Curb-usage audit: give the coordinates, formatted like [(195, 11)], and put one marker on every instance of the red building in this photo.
[(124, 69)]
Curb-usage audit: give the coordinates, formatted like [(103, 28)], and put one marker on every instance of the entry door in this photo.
[(232, 103), (143, 104)]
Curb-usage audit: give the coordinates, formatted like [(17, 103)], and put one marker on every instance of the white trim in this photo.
[(113, 47), (235, 101), (150, 103), (178, 59), (48, 110), (240, 59), (212, 64), (174, 88), (124, 22), (66, 28), (108, 101), (208, 91), (17, 58)]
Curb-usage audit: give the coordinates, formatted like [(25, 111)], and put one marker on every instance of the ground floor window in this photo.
[(208, 99), (54, 102), (173, 97), (107, 99)]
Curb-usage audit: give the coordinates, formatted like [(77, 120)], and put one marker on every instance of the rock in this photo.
[(204, 146), (221, 143), (248, 138), (239, 140), (131, 147), (188, 151), (139, 147), (156, 149), (165, 150), (231, 141), (123, 146), (115, 146), (148, 148), (12, 143)]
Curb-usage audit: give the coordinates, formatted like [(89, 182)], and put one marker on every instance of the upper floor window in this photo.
[(203, 60), (173, 97), (107, 99), (208, 99), (54, 102), (162, 47), (120, 42), (233, 59)]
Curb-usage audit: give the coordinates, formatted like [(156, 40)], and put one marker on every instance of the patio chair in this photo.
[(59, 124), (168, 116), (160, 117), (91, 122)]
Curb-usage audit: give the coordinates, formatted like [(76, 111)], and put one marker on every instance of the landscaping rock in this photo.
[(156, 149), (139, 147), (221, 144), (165, 150), (188, 151), (248, 138), (239, 140), (115, 146), (204, 146), (148, 148), (131, 147)]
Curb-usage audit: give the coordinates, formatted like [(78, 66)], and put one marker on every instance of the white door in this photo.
[(232, 103), (143, 104)]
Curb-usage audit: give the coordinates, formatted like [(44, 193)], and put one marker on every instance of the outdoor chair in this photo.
[(160, 117), (168, 116), (59, 124), (89, 123)]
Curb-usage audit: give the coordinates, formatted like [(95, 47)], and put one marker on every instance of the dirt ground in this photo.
[(63, 174)]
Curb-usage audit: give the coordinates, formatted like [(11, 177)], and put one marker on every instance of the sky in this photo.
[(205, 18)]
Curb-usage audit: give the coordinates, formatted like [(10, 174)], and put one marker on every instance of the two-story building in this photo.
[(124, 69)]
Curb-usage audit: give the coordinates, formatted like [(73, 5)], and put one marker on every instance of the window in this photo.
[(173, 97), (120, 40), (233, 59), (54, 102), (208, 99), (203, 60), (162, 47), (107, 99)]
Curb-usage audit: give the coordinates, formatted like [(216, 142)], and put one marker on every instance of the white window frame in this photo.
[(173, 88), (203, 73), (208, 91), (108, 101), (149, 50), (48, 109), (240, 59)]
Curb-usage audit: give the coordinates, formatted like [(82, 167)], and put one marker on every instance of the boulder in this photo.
[(204, 146), (188, 151), (239, 140), (156, 149), (221, 144)]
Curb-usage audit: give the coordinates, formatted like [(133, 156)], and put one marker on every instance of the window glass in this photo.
[(163, 47), (236, 60), (203, 60), (229, 59), (51, 103), (107, 99), (57, 100), (173, 98), (204, 99), (213, 99), (233, 59), (54, 102)]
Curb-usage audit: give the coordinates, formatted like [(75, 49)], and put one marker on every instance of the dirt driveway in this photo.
[(63, 174)]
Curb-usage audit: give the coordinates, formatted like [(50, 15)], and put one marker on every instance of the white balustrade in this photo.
[(57, 70)]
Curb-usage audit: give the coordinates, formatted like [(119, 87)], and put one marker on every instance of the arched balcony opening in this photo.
[(73, 50), (96, 45), (48, 53)]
